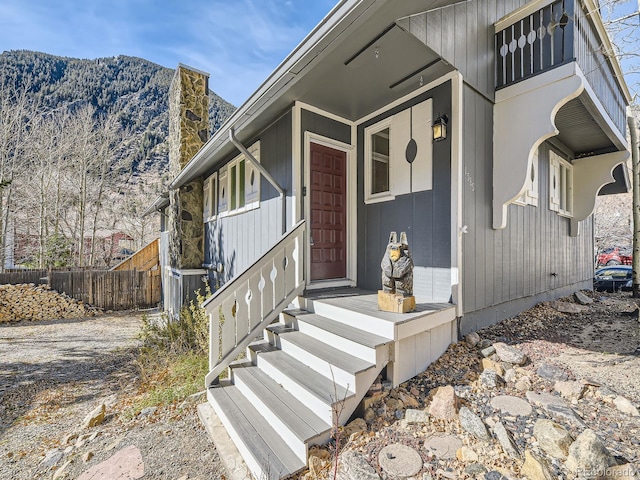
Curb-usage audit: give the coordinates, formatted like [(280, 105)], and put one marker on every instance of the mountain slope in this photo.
[(133, 89)]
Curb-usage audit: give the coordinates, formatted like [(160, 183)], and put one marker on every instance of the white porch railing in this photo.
[(245, 306)]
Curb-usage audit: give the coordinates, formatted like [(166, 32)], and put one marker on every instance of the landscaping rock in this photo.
[(567, 307), (443, 446), (510, 354), (523, 384), (506, 441), (551, 372), (413, 416), (488, 351), (466, 454), (511, 405), (545, 399), (94, 417), (51, 458), (475, 469), (565, 414), (126, 464), (444, 405), (625, 406), (473, 424), (472, 339), (353, 466), (582, 299), (552, 438), (399, 461), (588, 456), (509, 375), (570, 390), (535, 468), (490, 379), (357, 426)]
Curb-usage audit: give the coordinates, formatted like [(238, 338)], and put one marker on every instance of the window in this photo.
[(378, 155), (210, 193), (390, 168), (239, 184), (530, 195), (560, 185)]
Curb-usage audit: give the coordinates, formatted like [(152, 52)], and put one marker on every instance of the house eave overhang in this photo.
[(352, 23)]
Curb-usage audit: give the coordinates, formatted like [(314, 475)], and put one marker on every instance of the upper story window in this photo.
[(560, 185), (530, 195)]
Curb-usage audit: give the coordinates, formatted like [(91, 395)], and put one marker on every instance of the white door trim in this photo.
[(352, 261)]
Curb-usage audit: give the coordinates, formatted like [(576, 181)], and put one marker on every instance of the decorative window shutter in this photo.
[(206, 199), (554, 182)]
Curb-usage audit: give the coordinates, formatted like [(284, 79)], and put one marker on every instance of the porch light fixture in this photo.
[(440, 128)]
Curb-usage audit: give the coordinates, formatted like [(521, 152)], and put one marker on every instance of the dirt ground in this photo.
[(52, 373)]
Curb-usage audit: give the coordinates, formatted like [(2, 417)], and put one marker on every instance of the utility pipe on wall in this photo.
[(265, 173)]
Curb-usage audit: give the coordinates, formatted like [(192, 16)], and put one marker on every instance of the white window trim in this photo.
[(368, 171), (565, 187), (248, 166), (210, 190), (532, 188)]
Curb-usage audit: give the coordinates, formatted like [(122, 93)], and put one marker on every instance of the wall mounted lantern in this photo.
[(440, 128)]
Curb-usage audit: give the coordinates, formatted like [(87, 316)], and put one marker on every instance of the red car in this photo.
[(614, 256)]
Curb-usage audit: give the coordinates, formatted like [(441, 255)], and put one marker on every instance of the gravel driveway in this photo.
[(53, 373)]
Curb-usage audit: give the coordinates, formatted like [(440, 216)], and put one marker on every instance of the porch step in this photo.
[(294, 421), (333, 363), (263, 449), (310, 387), (344, 337)]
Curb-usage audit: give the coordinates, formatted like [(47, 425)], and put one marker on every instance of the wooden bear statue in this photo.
[(397, 267)]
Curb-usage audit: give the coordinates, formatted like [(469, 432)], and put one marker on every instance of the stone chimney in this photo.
[(188, 132)]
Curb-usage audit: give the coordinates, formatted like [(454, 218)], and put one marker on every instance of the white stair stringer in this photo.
[(308, 373)]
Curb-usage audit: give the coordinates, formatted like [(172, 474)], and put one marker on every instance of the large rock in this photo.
[(413, 416), (472, 339), (353, 466), (535, 467), (566, 307), (510, 354), (588, 456), (126, 464), (545, 399), (443, 446), (490, 379), (511, 405), (565, 414), (473, 424), (625, 406), (399, 461), (582, 299), (506, 441), (552, 438), (444, 405), (95, 417), (570, 390), (551, 372)]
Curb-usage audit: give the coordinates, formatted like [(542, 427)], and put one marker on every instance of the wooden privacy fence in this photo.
[(105, 289)]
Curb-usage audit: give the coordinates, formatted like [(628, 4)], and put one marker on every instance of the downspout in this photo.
[(265, 173)]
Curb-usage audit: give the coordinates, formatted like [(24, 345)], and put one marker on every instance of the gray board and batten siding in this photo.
[(462, 34), (425, 216), (534, 258), (237, 240)]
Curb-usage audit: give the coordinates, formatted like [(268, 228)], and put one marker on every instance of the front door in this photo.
[(328, 212)]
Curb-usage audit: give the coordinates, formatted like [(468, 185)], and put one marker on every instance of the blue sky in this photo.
[(239, 42)]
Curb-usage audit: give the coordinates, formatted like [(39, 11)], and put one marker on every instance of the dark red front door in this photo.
[(328, 195)]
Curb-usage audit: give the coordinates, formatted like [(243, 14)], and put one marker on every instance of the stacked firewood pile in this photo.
[(39, 302)]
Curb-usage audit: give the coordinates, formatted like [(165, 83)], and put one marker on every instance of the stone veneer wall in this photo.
[(188, 131)]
